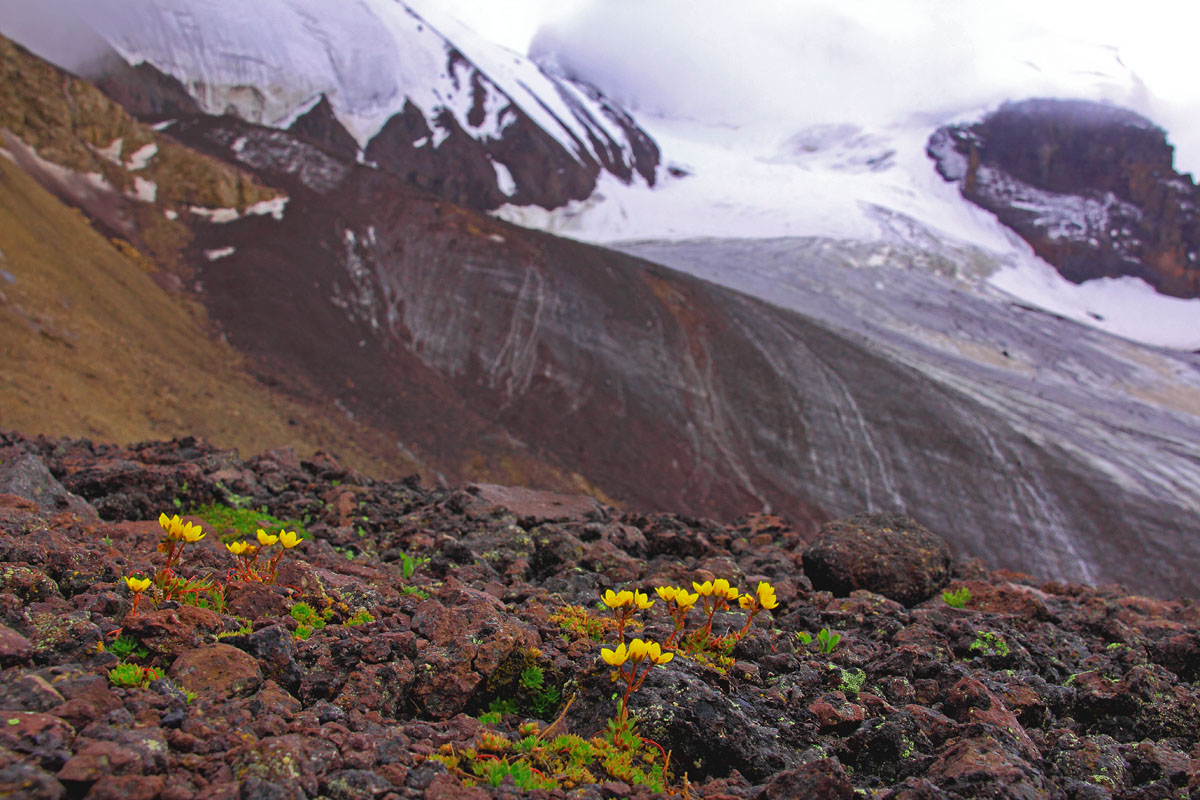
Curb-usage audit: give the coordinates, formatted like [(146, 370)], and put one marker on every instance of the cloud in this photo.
[(56, 30), (801, 62)]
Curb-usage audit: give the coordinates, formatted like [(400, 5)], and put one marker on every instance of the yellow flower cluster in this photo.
[(715, 595), (679, 596), (626, 599), (178, 530), (763, 597), (717, 590), (627, 661), (247, 554), (637, 652)]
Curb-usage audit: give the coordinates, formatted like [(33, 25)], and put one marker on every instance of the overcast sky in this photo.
[(793, 62), (790, 63)]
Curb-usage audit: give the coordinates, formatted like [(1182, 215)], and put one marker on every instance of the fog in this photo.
[(780, 65), (785, 64), (57, 30)]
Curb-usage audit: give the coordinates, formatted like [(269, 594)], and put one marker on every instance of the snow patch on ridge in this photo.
[(271, 61)]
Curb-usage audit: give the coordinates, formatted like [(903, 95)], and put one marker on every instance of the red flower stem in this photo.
[(749, 619)]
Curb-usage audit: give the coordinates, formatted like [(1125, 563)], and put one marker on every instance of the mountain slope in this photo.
[(92, 346), (374, 79), (483, 349), (660, 388)]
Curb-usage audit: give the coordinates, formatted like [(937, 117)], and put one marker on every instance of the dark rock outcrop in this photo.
[(888, 554), (1090, 186), (321, 126), (142, 89)]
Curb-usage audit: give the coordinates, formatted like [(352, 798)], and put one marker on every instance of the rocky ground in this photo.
[(449, 649)]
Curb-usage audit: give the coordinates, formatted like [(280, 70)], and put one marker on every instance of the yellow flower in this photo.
[(237, 548), (705, 589), (642, 601), (191, 532), (746, 602), (614, 658), (766, 595), (617, 599), (266, 539), (137, 585), (721, 588), (638, 650), (288, 539), (685, 599), (172, 525), (667, 592), (655, 655)]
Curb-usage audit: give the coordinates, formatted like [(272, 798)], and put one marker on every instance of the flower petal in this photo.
[(614, 658)]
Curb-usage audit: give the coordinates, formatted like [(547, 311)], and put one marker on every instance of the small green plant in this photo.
[(804, 637), (409, 564), (125, 646), (504, 706), (532, 678), (957, 598), (546, 701), (132, 675), (491, 717), (852, 682), (309, 620), (243, 521), (827, 640), (362, 617), (989, 643), (107, 540), (494, 771), (563, 762), (580, 621), (242, 631)]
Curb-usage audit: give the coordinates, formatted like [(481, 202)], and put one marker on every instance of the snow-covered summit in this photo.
[(376, 62)]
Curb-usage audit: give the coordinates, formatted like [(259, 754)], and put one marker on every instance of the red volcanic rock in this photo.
[(218, 669), (14, 648), (1092, 677), (1090, 186), (170, 632), (825, 778)]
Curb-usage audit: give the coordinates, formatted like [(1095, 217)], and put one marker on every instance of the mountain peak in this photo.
[(479, 124)]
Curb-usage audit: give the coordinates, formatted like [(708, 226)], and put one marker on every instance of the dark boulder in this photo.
[(889, 554), (25, 475)]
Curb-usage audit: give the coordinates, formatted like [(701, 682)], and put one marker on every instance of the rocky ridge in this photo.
[(474, 123), (1030, 689), (1091, 187)]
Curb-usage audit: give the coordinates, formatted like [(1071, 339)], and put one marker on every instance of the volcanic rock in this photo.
[(1033, 689), (26, 476), (1090, 186), (890, 554), (219, 669)]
